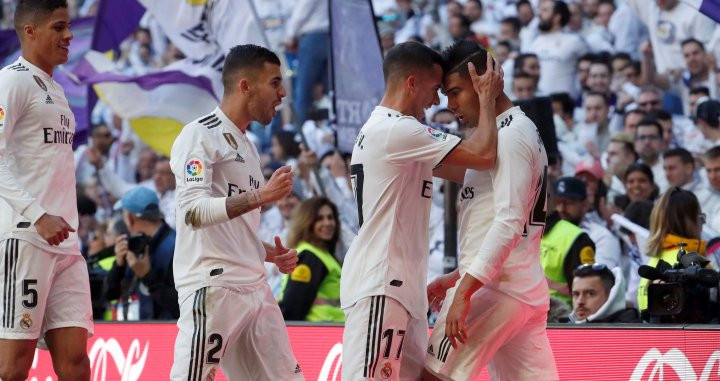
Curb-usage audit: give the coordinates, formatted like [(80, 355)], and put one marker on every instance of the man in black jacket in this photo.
[(146, 273)]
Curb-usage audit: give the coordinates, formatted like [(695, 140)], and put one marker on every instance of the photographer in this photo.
[(143, 262), (675, 219)]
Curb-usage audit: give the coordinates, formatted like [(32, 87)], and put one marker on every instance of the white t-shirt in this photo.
[(37, 167), (502, 214), (391, 171), (558, 53), (668, 29), (212, 160)]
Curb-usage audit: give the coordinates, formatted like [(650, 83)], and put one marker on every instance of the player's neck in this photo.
[(502, 104), (36, 59), (397, 101), (236, 112)]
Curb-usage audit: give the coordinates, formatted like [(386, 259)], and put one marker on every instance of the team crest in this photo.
[(40, 82), (231, 140), (386, 371), (211, 375), (26, 322)]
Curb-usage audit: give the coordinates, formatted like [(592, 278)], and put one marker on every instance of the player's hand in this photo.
[(285, 259), (53, 229), (279, 185), (436, 291), (455, 321), (490, 84), (141, 266), (121, 249)]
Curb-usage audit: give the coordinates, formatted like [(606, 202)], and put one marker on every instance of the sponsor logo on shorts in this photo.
[(194, 170), (436, 134), (297, 368), (26, 322), (386, 371), (430, 350)]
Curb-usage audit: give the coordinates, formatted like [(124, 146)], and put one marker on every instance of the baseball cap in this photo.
[(141, 202), (590, 166), (571, 187), (709, 111)]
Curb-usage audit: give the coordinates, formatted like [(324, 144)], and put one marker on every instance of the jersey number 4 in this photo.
[(539, 212), (357, 176)]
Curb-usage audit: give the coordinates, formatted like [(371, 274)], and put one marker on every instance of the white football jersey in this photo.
[(391, 171), (558, 53), (212, 160), (502, 213), (37, 167)]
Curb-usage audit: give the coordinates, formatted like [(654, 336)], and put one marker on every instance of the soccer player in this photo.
[(383, 281), (46, 293), (502, 292), (228, 315)]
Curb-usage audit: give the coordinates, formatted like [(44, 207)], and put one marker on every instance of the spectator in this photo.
[(276, 222), (631, 119), (510, 32), (594, 134), (669, 22), (698, 73), (284, 148), (627, 30), (582, 68), (599, 296), (307, 33), (527, 63), (710, 200), (598, 36), (571, 203), (524, 86), (563, 108), (675, 219), (634, 244), (557, 50), (147, 273), (312, 291), (620, 155), (679, 166), (697, 95), (649, 99), (707, 119), (666, 122), (459, 28), (639, 185), (599, 77), (591, 172), (87, 222), (529, 23), (649, 146), (564, 246)]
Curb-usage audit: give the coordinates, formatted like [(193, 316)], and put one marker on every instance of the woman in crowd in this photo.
[(312, 291), (675, 219), (639, 186)]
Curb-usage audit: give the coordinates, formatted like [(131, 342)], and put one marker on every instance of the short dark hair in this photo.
[(684, 155), (692, 40), (598, 94), (603, 272), (604, 63), (639, 167), (621, 56), (514, 22), (245, 57), (33, 11), (520, 61), (504, 43), (633, 111), (659, 115), (627, 146), (650, 122), (456, 57), (407, 57), (523, 2), (567, 103), (703, 90), (522, 74), (586, 57), (713, 153), (561, 8)]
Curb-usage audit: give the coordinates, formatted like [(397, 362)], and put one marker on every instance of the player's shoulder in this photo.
[(203, 127), (16, 74)]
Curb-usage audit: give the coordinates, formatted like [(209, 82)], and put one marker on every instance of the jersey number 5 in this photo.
[(357, 176)]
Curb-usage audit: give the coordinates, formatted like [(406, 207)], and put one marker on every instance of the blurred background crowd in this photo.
[(633, 86)]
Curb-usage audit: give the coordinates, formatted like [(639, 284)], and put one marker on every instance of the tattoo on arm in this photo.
[(240, 204)]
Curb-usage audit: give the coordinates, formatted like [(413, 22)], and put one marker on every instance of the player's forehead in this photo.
[(57, 16), (455, 80), (269, 72)]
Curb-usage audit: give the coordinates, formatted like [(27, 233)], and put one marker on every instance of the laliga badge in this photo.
[(26, 322)]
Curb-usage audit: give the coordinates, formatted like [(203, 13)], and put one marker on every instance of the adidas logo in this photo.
[(239, 158), (49, 101), (297, 368), (430, 350)]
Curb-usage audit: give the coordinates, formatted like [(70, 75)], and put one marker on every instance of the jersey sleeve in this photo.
[(302, 286), (191, 160), (410, 140), (514, 184), (13, 104)]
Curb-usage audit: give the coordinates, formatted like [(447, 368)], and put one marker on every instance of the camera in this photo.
[(137, 244), (684, 297)]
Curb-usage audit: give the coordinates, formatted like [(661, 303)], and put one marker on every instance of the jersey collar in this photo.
[(382, 110), (226, 121), (506, 115), (36, 70)]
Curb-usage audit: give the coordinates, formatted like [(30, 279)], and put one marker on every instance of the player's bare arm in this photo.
[(455, 323), (437, 289), (479, 151), (452, 173), (279, 186)]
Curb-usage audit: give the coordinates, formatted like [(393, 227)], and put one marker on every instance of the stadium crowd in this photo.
[(633, 86)]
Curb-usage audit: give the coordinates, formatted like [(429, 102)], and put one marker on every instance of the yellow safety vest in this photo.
[(554, 247)]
